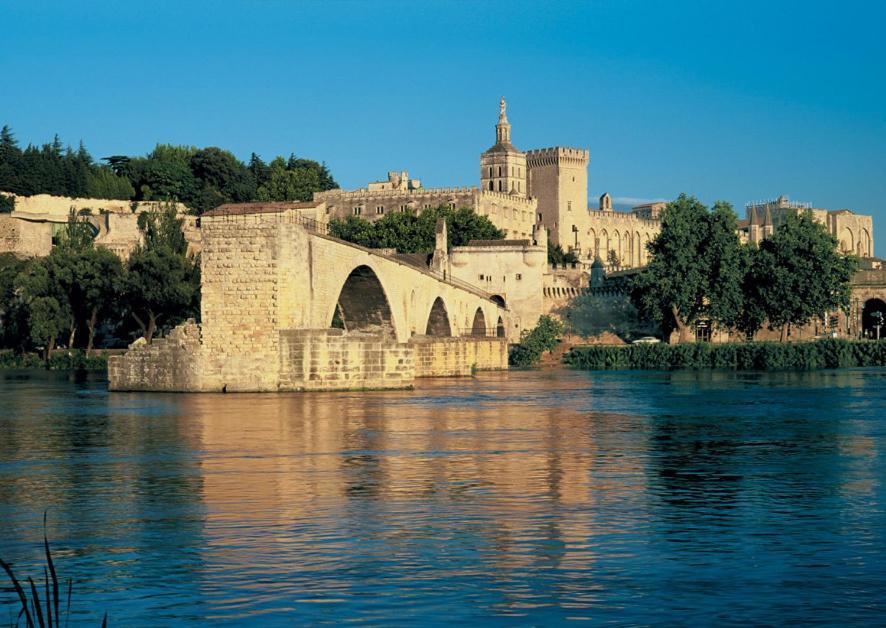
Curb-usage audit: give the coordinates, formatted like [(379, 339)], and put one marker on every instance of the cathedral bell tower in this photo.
[(503, 167)]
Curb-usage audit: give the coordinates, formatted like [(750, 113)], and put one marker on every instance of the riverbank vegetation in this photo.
[(699, 270), (411, 232), (545, 336), (201, 178), (81, 296), (762, 356)]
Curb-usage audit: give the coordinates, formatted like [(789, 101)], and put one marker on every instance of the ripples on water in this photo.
[(520, 498)]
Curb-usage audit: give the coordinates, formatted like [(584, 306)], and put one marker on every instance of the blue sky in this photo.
[(725, 100)]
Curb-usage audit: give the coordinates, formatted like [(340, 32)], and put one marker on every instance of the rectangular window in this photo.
[(404, 208), (481, 277), (569, 206), (358, 211), (451, 205), (519, 277), (539, 217), (427, 205), (380, 209)]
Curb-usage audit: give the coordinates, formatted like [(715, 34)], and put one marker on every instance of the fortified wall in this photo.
[(29, 230)]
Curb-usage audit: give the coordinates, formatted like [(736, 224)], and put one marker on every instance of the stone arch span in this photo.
[(498, 300), (362, 304), (438, 320), (478, 328)]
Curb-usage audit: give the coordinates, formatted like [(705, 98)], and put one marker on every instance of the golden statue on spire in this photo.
[(502, 105)]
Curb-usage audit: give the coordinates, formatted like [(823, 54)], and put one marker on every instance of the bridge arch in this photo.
[(362, 304), (498, 300), (438, 320), (869, 319), (478, 328)]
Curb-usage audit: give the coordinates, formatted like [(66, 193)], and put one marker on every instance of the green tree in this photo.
[(47, 320), (99, 276), (7, 204), (545, 336), (558, 257), (13, 311), (796, 275), (163, 229), (294, 180), (591, 314), (102, 182), (159, 288), (42, 292), (161, 283), (694, 271), (408, 232)]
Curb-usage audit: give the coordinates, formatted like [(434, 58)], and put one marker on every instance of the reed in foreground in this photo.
[(46, 613)]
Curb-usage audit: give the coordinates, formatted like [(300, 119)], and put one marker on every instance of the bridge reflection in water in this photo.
[(633, 497)]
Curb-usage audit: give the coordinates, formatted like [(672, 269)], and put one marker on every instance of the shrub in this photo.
[(543, 337), (762, 356)]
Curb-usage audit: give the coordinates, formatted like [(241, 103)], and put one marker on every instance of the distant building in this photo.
[(853, 231)]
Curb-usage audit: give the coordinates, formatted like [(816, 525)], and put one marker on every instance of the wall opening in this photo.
[(362, 304), (438, 320), (479, 326), (500, 328), (870, 319), (498, 300)]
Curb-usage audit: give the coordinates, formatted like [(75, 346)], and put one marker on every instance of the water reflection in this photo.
[(627, 497)]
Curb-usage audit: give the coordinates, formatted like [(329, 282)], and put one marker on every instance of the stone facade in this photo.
[(853, 231), (24, 238), (29, 230), (510, 270)]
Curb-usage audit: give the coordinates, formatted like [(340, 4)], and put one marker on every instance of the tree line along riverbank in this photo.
[(751, 356), (75, 360)]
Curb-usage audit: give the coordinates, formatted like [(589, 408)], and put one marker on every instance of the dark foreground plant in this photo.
[(32, 609)]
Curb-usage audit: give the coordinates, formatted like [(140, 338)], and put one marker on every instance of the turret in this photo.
[(440, 259)]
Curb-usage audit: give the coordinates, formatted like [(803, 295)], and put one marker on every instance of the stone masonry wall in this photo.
[(170, 364), (23, 237), (444, 357), (240, 284), (329, 359)]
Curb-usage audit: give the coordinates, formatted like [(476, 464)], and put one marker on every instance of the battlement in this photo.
[(364, 193), (509, 198), (556, 154), (630, 216)]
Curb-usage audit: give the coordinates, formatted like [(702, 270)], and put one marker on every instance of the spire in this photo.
[(503, 128), (767, 219), (753, 220)]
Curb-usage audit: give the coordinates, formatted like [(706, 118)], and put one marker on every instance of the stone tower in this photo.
[(558, 178), (503, 167)]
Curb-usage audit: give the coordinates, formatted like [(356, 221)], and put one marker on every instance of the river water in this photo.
[(507, 499)]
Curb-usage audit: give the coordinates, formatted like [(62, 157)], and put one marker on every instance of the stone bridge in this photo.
[(284, 306)]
